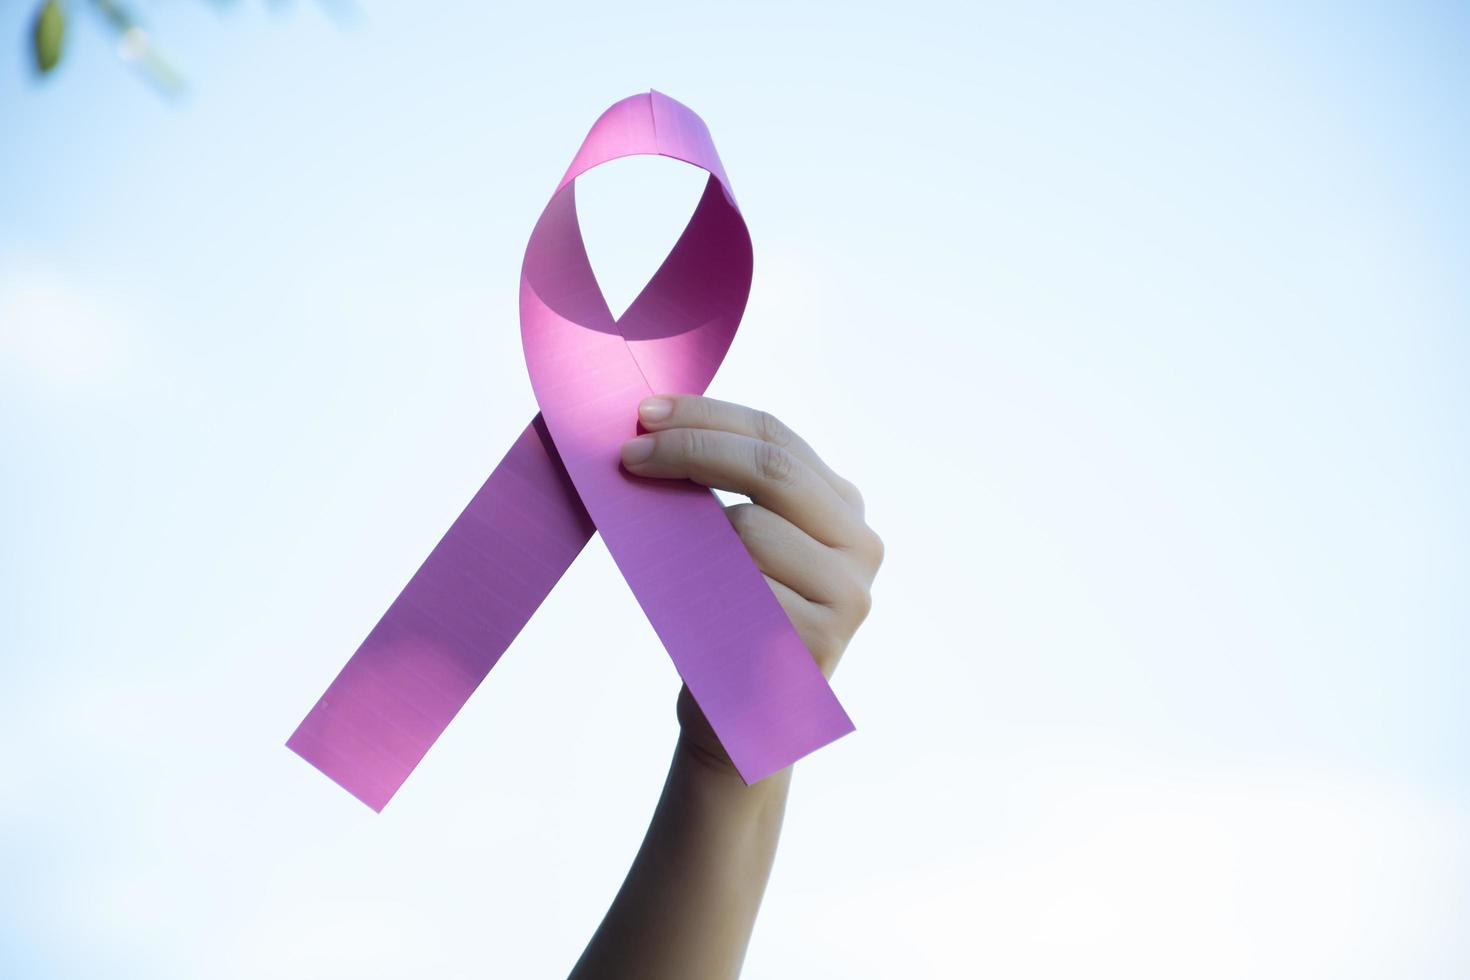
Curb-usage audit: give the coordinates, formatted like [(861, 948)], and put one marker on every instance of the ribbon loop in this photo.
[(723, 628)]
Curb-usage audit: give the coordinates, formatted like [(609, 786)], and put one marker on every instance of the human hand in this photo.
[(804, 526)]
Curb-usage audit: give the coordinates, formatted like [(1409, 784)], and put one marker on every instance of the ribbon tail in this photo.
[(732, 643), (449, 626)]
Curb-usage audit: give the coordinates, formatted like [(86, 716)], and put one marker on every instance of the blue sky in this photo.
[(1143, 328)]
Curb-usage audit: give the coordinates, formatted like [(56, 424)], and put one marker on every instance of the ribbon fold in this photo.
[(723, 628)]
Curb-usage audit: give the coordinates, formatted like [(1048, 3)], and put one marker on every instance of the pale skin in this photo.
[(689, 902)]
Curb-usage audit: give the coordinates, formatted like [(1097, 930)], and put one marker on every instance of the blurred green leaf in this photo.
[(50, 29)]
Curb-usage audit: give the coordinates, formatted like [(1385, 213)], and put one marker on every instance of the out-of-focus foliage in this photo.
[(53, 25), (134, 44), (49, 32)]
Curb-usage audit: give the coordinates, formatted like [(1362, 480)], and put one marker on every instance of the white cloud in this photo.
[(54, 331)]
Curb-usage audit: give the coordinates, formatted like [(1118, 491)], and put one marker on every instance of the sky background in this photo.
[(1144, 329)]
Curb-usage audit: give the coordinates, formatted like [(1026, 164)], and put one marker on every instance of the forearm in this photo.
[(688, 905), (689, 902)]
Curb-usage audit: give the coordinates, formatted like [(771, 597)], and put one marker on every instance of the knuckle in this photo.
[(868, 550), (691, 444), (876, 548), (700, 410), (857, 601), (770, 429), (774, 464)]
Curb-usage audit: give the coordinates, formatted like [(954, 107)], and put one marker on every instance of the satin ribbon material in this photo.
[(727, 635)]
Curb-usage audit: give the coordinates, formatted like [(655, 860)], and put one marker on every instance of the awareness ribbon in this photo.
[(723, 628)]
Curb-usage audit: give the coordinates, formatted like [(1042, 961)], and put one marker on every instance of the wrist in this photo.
[(701, 748), (697, 739)]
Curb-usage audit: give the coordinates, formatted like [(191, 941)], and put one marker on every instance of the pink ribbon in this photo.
[(724, 630)]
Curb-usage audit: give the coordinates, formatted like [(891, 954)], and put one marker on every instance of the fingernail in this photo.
[(637, 451), (655, 409)]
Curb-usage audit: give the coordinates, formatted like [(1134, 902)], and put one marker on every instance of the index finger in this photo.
[(768, 474), (699, 412)]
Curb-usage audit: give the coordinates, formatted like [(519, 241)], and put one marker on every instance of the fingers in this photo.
[(814, 624), (805, 528), (697, 412), (814, 571), (769, 474)]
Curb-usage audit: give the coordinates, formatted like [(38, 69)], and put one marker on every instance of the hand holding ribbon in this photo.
[(804, 526), (740, 657)]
